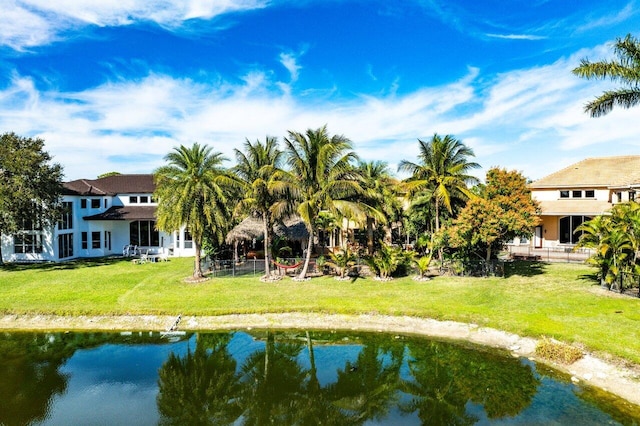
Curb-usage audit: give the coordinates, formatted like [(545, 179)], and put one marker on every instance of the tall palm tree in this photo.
[(442, 172), (194, 190), (380, 194), (624, 70), (258, 167), (321, 178)]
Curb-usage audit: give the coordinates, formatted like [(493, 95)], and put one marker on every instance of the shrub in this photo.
[(389, 260), (557, 351), (422, 263), (343, 261)]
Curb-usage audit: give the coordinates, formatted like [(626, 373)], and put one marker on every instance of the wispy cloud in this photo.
[(290, 62), (29, 23), (517, 36), (613, 18)]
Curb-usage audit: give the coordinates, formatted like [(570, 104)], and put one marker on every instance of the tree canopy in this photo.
[(322, 177), (442, 173), (195, 191), (30, 184), (505, 210)]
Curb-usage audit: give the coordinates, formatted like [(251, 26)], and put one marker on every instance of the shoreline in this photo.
[(622, 381)]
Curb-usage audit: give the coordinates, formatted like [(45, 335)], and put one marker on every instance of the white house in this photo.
[(101, 217)]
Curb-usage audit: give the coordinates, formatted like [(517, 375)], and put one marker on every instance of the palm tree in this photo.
[(321, 177), (442, 173), (257, 167), (379, 194), (194, 190), (625, 70)]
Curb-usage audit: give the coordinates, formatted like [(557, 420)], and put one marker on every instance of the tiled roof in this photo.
[(126, 213), (595, 172), (573, 207), (112, 185)]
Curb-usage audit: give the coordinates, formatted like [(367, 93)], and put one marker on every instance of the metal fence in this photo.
[(625, 283), (473, 268), (225, 267), (550, 254)]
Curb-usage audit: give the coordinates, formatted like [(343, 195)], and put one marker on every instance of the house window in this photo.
[(133, 199), (107, 240), (65, 245), (95, 239), (85, 240), (568, 225), (105, 203), (66, 218), (144, 199), (632, 195), (576, 194), (27, 242), (95, 203), (144, 233), (83, 203), (29, 238), (589, 193), (619, 196), (188, 239), (564, 194)]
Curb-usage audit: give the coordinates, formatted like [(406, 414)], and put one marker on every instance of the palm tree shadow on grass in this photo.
[(524, 268), (591, 278), (72, 264)]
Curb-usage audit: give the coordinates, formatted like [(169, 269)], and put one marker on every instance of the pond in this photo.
[(284, 378)]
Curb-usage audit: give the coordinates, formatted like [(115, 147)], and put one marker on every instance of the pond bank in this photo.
[(621, 380)]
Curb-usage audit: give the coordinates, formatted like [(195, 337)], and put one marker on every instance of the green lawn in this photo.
[(557, 300)]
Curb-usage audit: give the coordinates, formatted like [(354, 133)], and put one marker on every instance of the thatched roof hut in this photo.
[(292, 228), (251, 227)]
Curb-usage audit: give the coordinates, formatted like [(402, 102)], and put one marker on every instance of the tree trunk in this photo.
[(265, 224), (1, 260), (438, 227), (303, 273), (370, 235), (197, 269)]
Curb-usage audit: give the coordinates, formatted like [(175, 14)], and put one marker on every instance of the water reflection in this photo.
[(285, 378)]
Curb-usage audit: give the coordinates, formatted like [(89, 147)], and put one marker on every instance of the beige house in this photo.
[(579, 192)]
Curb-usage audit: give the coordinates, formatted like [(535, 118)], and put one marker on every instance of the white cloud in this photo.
[(516, 36), (28, 23), (290, 62), (530, 119)]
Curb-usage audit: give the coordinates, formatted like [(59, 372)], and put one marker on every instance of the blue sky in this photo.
[(114, 85)]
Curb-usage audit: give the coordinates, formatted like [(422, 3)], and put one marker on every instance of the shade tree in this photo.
[(30, 185), (505, 210)]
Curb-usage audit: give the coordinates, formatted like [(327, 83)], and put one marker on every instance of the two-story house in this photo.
[(101, 217), (579, 192)]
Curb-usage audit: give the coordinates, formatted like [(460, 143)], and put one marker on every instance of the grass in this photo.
[(536, 299)]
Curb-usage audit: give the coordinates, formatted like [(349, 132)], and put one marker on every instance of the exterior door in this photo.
[(537, 237)]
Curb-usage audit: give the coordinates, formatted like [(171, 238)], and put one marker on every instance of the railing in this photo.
[(550, 254)]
